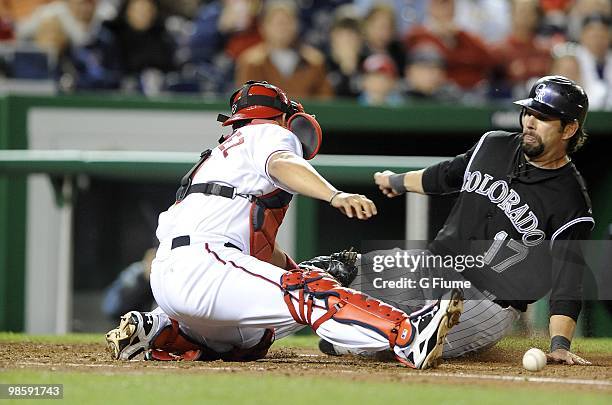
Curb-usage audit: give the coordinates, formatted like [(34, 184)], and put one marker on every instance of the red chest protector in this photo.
[(266, 214)]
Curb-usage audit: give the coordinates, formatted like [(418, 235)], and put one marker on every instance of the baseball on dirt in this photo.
[(534, 359)]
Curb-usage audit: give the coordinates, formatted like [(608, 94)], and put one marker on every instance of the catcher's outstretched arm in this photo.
[(298, 175)]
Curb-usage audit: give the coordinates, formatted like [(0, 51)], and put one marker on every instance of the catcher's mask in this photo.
[(262, 100)]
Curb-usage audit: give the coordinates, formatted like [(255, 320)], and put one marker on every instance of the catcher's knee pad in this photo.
[(343, 305)]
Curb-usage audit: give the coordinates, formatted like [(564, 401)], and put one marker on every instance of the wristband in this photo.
[(397, 182), (334, 196), (559, 342)]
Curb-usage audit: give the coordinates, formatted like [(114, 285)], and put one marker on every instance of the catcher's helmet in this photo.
[(557, 97), (258, 99)]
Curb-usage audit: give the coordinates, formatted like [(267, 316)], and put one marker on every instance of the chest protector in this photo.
[(266, 214)]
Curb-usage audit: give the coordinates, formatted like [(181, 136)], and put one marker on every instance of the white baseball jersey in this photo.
[(223, 297), (241, 162)]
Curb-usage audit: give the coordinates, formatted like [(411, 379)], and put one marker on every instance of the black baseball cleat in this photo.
[(328, 348), (133, 336), (431, 326)]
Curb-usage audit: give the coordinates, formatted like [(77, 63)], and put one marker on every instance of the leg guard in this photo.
[(343, 305), (171, 344), (431, 325)]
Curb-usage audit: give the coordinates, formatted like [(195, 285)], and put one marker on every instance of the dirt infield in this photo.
[(497, 366)]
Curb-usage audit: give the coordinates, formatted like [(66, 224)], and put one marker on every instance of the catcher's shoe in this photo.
[(133, 336), (431, 325), (331, 349)]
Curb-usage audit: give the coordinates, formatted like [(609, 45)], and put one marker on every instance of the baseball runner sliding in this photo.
[(523, 205)]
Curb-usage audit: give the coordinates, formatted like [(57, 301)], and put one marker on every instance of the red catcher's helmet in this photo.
[(257, 100)]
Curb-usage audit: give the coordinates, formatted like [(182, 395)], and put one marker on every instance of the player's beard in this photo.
[(535, 148)]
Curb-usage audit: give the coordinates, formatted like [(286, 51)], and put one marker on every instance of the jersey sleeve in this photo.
[(270, 140), (447, 177), (568, 268)]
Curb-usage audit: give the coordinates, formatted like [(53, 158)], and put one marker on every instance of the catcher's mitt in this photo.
[(339, 265)]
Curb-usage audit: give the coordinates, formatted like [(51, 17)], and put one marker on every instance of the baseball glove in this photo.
[(341, 266)]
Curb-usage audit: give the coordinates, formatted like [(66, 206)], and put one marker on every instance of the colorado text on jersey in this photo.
[(500, 193)]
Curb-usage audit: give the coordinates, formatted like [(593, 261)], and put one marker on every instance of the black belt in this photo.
[(185, 240)]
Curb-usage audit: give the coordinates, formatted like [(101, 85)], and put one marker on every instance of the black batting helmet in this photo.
[(558, 97)]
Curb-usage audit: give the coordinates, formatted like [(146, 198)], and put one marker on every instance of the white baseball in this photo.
[(534, 359)]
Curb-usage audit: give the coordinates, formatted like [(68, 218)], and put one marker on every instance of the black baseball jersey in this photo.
[(524, 220)]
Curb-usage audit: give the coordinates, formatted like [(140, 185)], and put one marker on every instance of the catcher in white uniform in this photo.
[(224, 287)]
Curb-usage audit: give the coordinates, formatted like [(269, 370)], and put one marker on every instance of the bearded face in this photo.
[(540, 133), (532, 144)]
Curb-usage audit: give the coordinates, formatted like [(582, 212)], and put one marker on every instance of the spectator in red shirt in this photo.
[(469, 61), (7, 32)]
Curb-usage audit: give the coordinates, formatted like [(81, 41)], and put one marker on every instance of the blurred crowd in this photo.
[(377, 52)]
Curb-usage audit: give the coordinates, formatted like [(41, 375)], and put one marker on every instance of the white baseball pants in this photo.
[(226, 299)]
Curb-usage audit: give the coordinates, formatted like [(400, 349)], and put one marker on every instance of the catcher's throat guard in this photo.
[(308, 131)]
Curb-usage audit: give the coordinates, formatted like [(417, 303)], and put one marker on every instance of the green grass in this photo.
[(58, 339), (298, 341), (226, 388)]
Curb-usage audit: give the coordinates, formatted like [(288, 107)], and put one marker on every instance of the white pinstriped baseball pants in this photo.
[(482, 324)]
